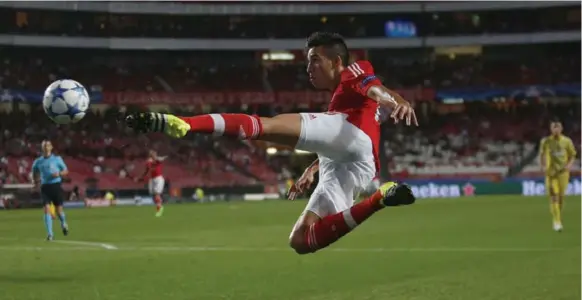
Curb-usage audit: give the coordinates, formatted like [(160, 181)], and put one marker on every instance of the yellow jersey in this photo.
[(199, 193), (557, 151)]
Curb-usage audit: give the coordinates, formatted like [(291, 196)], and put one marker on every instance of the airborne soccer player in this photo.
[(345, 138)]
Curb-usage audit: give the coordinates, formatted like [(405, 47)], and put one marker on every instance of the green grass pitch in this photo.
[(481, 248)]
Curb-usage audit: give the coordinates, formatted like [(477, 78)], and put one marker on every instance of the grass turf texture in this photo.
[(466, 248)]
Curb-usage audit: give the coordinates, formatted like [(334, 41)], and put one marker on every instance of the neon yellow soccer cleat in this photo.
[(156, 122), (396, 194)]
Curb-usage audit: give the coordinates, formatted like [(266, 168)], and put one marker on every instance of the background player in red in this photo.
[(156, 182), (345, 138)]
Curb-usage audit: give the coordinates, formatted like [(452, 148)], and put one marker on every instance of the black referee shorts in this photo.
[(51, 193)]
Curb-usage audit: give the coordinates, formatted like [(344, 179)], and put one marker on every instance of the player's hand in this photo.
[(562, 170), (56, 175), (404, 111), (568, 166), (302, 184)]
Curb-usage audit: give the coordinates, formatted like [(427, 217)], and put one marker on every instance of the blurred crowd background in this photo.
[(485, 78)]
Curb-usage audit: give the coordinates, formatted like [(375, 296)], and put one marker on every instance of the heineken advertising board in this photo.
[(538, 188), (458, 188)]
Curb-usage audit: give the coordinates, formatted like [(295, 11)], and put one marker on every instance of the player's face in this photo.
[(47, 147), (320, 68), (556, 128)]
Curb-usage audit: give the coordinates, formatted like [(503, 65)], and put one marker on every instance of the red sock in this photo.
[(158, 201), (331, 228), (234, 125)]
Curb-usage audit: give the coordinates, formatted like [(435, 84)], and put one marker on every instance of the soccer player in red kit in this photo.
[(346, 139), (156, 181)]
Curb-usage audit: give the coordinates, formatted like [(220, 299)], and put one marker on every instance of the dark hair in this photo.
[(555, 120), (333, 43)]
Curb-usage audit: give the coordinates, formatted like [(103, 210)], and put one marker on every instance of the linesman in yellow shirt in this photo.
[(53, 211), (557, 154)]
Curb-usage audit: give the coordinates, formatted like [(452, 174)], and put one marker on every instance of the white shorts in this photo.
[(372, 187), (156, 185), (346, 161), (331, 135)]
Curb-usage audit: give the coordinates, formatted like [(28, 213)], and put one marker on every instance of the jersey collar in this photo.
[(346, 75)]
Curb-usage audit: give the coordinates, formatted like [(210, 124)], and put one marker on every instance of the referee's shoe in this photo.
[(65, 233)]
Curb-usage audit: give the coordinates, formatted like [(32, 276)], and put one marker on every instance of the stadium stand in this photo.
[(456, 139)]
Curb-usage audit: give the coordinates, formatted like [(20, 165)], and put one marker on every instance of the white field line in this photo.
[(88, 244)]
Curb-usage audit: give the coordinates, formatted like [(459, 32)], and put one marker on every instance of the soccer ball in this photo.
[(65, 101)]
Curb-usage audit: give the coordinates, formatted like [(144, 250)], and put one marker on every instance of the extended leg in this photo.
[(313, 233), (283, 129)]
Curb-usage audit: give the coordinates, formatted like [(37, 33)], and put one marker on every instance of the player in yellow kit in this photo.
[(557, 154), (53, 211)]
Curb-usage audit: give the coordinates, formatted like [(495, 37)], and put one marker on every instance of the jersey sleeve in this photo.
[(362, 77), (35, 166), (62, 165)]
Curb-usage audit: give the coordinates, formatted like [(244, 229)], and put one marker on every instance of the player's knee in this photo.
[(266, 123), (299, 244)]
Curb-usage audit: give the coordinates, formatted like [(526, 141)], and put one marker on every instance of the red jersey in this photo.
[(350, 98), (155, 167)]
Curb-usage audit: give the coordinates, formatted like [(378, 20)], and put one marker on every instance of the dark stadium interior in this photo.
[(282, 26), (474, 135)]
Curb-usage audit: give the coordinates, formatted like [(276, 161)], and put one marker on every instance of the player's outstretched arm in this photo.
[(401, 109)]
